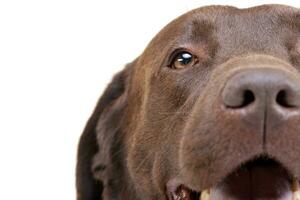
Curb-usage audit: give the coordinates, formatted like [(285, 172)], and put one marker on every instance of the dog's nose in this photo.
[(267, 88)]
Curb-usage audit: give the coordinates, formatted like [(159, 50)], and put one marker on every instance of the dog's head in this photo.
[(211, 108)]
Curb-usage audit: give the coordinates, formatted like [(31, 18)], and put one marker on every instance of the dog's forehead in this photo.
[(261, 29), (229, 18), (228, 32)]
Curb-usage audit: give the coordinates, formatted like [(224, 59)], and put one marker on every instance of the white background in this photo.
[(56, 57)]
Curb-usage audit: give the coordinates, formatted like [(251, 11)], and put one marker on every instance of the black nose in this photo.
[(265, 87)]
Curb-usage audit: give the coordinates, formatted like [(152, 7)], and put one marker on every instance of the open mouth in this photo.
[(259, 179)]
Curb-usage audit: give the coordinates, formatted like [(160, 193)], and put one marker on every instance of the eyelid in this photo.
[(173, 56), (175, 53)]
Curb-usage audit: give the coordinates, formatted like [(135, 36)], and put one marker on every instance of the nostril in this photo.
[(282, 99), (255, 89), (248, 98), (237, 99)]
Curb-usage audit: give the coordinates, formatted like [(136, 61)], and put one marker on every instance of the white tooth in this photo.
[(296, 190), (205, 195)]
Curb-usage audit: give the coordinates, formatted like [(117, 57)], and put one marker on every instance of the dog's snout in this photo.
[(263, 87)]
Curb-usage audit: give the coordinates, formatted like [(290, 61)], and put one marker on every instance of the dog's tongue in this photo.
[(257, 182)]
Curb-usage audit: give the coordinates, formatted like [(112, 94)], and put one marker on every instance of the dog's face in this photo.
[(211, 108)]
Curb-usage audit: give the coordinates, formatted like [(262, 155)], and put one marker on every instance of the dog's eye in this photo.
[(183, 59)]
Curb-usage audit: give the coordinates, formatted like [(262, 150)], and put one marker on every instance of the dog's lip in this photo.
[(277, 181)]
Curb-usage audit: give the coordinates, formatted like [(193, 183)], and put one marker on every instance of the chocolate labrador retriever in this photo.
[(210, 110)]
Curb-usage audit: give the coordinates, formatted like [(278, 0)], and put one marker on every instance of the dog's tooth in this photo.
[(296, 190), (205, 195)]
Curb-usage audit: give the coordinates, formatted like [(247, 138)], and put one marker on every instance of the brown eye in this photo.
[(183, 60)]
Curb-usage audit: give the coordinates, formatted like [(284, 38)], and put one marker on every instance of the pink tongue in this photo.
[(261, 182)]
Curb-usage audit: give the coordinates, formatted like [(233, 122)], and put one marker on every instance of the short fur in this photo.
[(154, 123)]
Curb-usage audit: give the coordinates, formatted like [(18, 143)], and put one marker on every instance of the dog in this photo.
[(210, 110)]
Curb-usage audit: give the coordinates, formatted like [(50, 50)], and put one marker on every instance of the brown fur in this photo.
[(154, 124)]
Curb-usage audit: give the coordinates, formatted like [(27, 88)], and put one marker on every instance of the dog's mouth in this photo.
[(259, 179)]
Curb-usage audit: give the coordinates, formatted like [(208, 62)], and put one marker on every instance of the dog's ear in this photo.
[(98, 135)]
